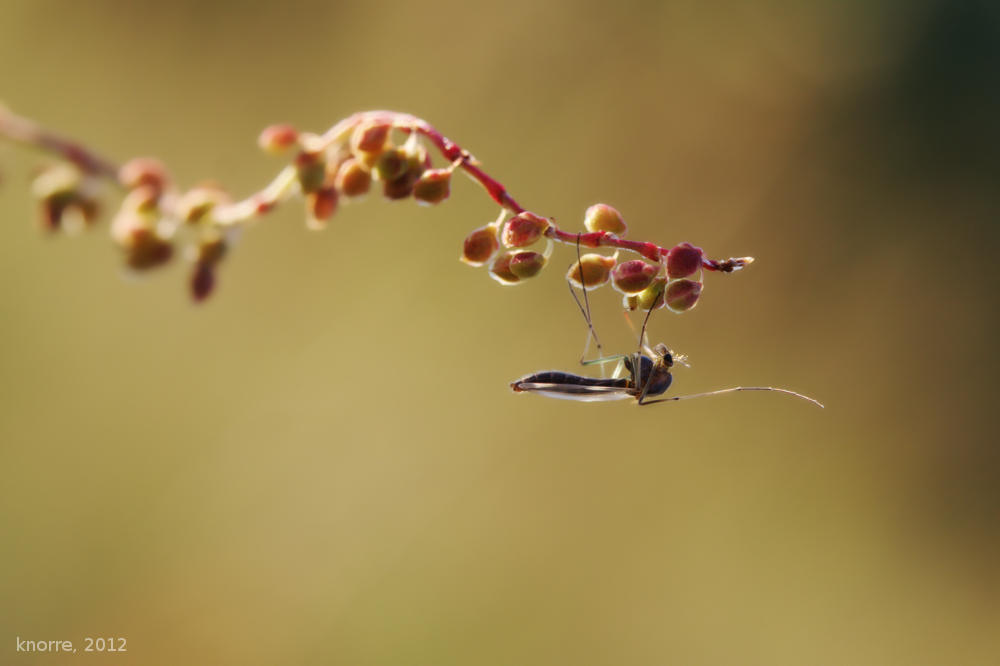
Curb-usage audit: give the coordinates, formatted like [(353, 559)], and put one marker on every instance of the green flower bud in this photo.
[(651, 298), (390, 165), (595, 270), (526, 264), (524, 229), (602, 217), (433, 186), (353, 179), (480, 246), (631, 277), (311, 168), (682, 295)]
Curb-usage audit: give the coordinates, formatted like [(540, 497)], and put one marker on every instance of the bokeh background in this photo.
[(324, 463)]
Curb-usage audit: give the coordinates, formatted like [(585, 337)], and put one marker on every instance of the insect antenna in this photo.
[(733, 390)]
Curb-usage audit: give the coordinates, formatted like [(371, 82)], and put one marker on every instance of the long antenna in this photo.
[(733, 390)]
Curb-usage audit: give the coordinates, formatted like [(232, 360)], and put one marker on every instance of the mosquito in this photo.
[(648, 371)]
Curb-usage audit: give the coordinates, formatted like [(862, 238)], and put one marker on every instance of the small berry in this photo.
[(353, 179), (684, 260), (433, 186), (682, 295), (631, 277), (602, 217), (480, 246), (526, 264), (277, 139), (524, 229), (595, 269)]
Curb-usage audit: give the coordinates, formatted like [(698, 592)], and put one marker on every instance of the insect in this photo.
[(648, 372)]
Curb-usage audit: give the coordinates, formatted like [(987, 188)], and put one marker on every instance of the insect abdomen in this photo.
[(569, 382)]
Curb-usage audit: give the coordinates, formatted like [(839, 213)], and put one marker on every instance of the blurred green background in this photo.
[(303, 471)]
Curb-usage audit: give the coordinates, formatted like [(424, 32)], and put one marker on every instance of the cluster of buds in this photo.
[(674, 281), (514, 263), (364, 151), (327, 171)]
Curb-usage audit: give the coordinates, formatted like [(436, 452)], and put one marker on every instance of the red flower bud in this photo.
[(433, 186), (480, 246), (684, 260), (524, 229), (202, 281), (631, 277), (595, 270), (145, 249), (370, 137), (500, 269), (144, 171), (353, 179), (602, 217), (682, 295), (320, 206), (526, 264), (277, 138)]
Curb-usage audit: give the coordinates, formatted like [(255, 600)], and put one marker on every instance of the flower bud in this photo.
[(193, 205), (595, 270), (211, 249), (276, 139), (651, 297), (500, 269), (631, 277), (352, 179), (602, 217), (390, 165), (526, 264), (682, 295), (684, 260), (202, 281), (66, 197), (480, 246), (524, 229), (433, 186), (320, 206), (144, 171), (311, 168), (145, 249), (370, 137)]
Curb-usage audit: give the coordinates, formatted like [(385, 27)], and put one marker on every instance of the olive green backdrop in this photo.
[(324, 463)]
